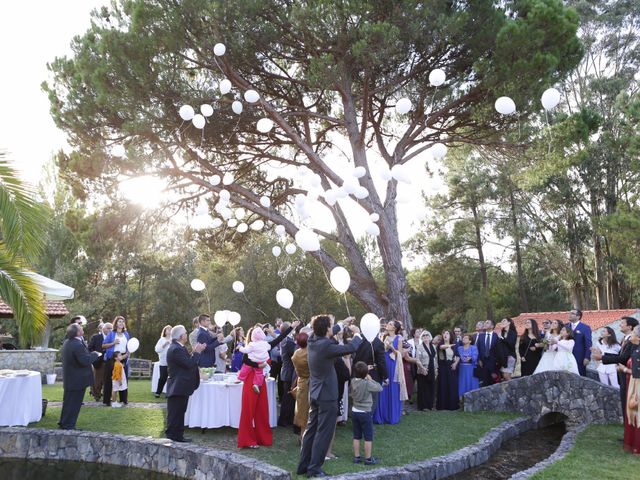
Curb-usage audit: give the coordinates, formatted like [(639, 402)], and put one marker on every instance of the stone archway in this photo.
[(580, 399)]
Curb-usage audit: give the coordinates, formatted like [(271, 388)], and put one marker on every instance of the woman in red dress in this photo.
[(254, 428), (631, 441)]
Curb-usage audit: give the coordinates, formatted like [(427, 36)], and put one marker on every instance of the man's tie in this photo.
[(487, 344)]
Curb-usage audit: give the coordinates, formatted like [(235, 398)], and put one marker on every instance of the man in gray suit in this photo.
[(76, 375), (323, 393)]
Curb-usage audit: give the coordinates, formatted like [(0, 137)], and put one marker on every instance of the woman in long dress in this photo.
[(631, 441), (530, 348), (468, 360), (550, 339), (448, 359), (564, 359), (238, 341), (389, 409), (300, 359), (506, 347), (427, 372)]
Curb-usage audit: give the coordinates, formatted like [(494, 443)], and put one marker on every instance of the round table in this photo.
[(217, 404), (155, 378), (20, 399)]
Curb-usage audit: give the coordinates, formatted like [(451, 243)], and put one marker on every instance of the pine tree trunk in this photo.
[(522, 291)]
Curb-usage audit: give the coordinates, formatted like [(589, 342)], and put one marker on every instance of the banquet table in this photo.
[(20, 399), (155, 377), (217, 404)]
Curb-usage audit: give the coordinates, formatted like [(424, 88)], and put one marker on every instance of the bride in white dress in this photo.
[(550, 339), (564, 359)]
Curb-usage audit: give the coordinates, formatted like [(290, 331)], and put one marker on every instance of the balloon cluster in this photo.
[(549, 99), (221, 317)]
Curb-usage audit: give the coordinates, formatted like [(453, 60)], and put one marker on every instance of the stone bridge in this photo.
[(580, 399)]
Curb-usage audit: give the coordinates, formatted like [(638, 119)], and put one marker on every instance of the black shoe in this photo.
[(181, 440), (370, 461), (156, 395), (357, 459), (317, 474)]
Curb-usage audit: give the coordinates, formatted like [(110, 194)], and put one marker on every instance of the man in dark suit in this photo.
[(208, 357), (582, 338), (373, 355), (287, 402), (323, 393), (77, 375), (95, 345), (627, 324), (486, 345), (184, 379)]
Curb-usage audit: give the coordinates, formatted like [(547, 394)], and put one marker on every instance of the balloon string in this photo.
[(294, 315), (346, 304), (279, 273), (546, 116), (247, 300)]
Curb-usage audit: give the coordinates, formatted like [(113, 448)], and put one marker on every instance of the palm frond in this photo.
[(23, 296), (22, 218)]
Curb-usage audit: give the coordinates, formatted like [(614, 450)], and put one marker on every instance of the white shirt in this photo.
[(122, 345), (162, 347), (574, 325)]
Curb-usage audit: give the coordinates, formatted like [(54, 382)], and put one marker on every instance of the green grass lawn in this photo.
[(597, 454), (139, 391), (419, 436)]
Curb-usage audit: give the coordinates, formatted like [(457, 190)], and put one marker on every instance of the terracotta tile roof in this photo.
[(594, 318), (55, 308)]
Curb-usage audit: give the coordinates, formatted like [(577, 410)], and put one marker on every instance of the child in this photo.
[(258, 351), (119, 379), (361, 388)]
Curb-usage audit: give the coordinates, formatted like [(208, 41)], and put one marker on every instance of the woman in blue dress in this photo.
[(389, 409), (238, 341), (468, 359)]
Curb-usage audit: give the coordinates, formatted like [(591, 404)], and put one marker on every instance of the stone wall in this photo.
[(37, 360), (581, 399), (161, 455)]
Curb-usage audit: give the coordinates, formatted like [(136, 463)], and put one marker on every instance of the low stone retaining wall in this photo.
[(37, 360), (161, 455), (451, 463)]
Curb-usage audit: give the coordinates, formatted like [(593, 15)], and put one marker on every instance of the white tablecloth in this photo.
[(20, 400), (218, 404), (155, 378)]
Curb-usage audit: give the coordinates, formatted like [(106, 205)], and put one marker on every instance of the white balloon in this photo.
[(265, 201), (307, 240), (276, 251), (550, 98), (290, 248), (359, 172), (186, 112), (198, 121), (374, 217), (224, 195), (437, 77), (350, 185), (206, 109), (340, 279), (197, 285), (236, 106), (240, 213), (226, 213), (225, 86), (439, 150), (216, 222), (251, 96), (315, 180), (228, 178), (341, 192), (238, 286), (505, 106), (133, 344), (220, 317), (373, 229), (280, 230), (284, 297), (219, 49), (118, 151), (233, 223), (330, 197), (403, 106), (370, 326), (234, 318), (215, 180), (243, 227), (300, 200), (257, 225), (264, 125), (361, 192), (401, 173)]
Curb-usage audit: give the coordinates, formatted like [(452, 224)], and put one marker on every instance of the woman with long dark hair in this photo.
[(427, 371), (631, 441), (448, 360), (608, 344), (389, 409), (238, 341), (116, 342), (506, 348), (530, 348), (300, 360)]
